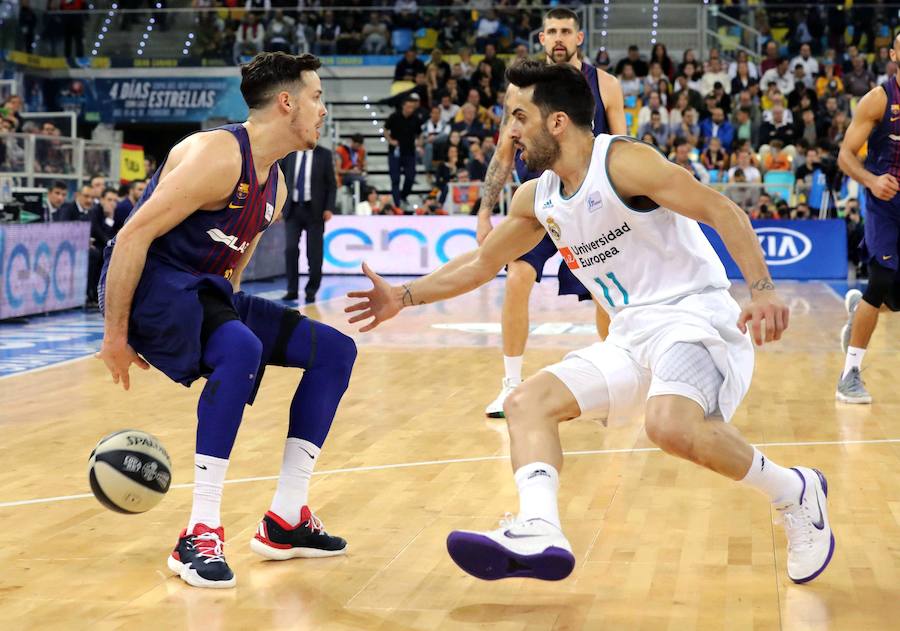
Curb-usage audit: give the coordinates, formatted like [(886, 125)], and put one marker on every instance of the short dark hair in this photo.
[(133, 183), (357, 138), (109, 189), (55, 184), (557, 88), (269, 72), (562, 13)]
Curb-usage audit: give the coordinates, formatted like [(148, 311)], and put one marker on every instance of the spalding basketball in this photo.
[(129, 471)]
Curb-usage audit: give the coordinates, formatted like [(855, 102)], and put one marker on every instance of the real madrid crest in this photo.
[(553, 229)]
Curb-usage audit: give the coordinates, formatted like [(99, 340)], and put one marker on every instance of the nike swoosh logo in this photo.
[(308, 454), (513, 535), (820, 524), (888, 258), (201, 466), (235, 206)]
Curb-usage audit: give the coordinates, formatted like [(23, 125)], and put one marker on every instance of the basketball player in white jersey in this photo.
[(561, 38), (678, 351)]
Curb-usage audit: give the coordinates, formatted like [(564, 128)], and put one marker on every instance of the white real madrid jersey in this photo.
[(625, 257)]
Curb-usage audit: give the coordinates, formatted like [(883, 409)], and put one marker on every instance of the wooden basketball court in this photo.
[(660, 543)]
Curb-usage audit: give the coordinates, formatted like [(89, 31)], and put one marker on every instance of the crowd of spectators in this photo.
[(53, 152)]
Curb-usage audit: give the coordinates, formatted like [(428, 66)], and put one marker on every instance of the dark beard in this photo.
[(567, 59), (543, 152)]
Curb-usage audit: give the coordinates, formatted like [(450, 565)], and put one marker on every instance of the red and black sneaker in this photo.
[(277, 540), (198, 558)]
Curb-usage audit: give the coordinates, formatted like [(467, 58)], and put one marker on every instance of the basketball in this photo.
[(129, 471)]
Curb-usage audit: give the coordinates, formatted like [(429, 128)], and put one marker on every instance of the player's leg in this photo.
[(290, 529), (521, 276), (232, 353), (532, 544), (682, 419)]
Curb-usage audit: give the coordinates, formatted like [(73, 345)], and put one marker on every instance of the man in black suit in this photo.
[(102, 218), (78, 209), (56, 199), (311, 189)]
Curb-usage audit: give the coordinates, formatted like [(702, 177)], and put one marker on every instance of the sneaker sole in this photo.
[(189, 575), (484, 558), (283, 554), (848, 298), (843, 398), (807, 579)]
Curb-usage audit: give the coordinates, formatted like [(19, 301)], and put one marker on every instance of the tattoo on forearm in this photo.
[(494, 180), (408, 300), (762, 284)]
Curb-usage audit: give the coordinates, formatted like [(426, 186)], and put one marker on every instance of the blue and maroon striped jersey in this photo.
[(884, 141), (213, 241)]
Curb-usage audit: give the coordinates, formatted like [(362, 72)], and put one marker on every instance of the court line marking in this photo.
[(428, 463)]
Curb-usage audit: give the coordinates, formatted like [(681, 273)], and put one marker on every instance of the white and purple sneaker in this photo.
[(809, 535), (518, 549)]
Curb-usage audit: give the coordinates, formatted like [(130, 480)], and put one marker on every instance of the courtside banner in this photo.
[(802, 250), (407, 245), (43, 267)]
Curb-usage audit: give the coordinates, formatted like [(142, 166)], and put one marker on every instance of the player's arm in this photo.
[(518, 234), (204, 175), (280, 198), (498, 172), (868, 113), (639, 170), (613, 103)]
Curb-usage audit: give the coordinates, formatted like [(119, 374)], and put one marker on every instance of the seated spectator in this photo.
[(890, 71), (280, 33), (806, 59), (687, 57), (714, 157), (801, 212), (327, 34), (651, 81), (652, 104), (881, 61), (465, 193), (859, 80), (715, 75), (443, 68), (775, 158), (453, 140), (717, 126), (770, 60), (777, 126), (448, 108), (477, 165), (407, 68), (682, 86), (680, 104), (780, 75), (838, 129), (744, 164), (498, 66), (434, 130), (829, 84), (744, 81), (764, 208), (688, 129), (660, 55), (371, 204), (656, 128), (375, 35), (102, 220), (250, 38), (734, 68), (810, 164), (739, 192), (79, 209), (481, 112), (806, 128), (451, 32), (469, 126), (743, 127), (693, 76), (487, 29), (125, 206), (304, 34), (801, 79), (602, 61), (682, 158), (56, 197), (447, 171), (638, 65), (721, 98), (351, 167), (630, 83)]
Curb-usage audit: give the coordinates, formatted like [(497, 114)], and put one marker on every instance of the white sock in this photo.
[(538, 484), (779, 483), (209, 477), (512, 366), (293, 484), (854, 359)]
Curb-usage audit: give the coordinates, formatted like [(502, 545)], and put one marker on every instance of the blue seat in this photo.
[(715, 176), (779, 184), (818, 191), (401, 40)]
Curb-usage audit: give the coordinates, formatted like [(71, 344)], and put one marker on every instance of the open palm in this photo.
[(381, 303)]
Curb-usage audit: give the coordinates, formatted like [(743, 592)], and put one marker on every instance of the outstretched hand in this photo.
[(381, 303), (764, 307)]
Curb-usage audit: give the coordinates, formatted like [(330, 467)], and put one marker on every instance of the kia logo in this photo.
[(783, 246)]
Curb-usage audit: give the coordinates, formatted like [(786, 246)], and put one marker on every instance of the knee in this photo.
[(233, 343), (669, 435), (520, 277), (341, 353), (529, 404)]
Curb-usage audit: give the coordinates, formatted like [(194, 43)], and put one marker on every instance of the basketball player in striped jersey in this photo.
[(170, 292), (562, 38), (679, 349), (876, 120)]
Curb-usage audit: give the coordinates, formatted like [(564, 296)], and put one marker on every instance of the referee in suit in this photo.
[(311, 189)]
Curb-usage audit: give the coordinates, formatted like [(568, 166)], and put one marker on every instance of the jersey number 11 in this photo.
[(616, 282)]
